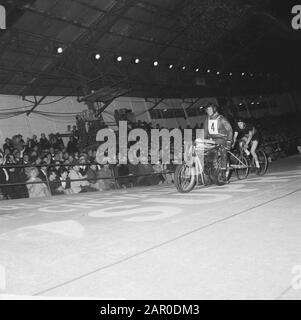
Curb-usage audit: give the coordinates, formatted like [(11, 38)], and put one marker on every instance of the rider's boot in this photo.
[(227, 178)]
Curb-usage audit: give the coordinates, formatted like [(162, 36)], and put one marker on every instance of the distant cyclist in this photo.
[(218, 128), (247, 135)]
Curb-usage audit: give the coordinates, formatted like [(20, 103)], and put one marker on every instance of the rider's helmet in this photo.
[(212, 105)]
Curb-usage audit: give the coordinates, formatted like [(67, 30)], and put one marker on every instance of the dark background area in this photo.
[(248, 46)]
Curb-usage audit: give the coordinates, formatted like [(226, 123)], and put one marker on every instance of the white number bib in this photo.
[(212, 127)]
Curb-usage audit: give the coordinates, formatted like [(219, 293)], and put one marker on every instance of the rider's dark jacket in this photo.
[(218, 128)]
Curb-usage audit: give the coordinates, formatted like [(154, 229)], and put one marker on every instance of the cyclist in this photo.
[(247, 135), (218, 128)]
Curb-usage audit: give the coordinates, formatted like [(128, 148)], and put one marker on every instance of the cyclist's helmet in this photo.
[(240, 120)]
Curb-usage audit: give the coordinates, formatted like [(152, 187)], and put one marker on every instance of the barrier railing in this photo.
[(113, 176)]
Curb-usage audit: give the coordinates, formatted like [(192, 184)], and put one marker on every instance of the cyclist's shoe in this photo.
[(257, 170)]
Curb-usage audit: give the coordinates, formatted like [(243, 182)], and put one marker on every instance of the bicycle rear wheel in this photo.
[(242, 168), (263, 162), (185, 178)]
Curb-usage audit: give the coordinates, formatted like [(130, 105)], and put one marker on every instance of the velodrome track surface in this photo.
[(240, 241)]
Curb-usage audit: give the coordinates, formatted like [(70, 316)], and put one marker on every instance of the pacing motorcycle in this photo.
[(202, 166)]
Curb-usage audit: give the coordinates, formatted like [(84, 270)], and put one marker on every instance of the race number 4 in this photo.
[(213, 127)]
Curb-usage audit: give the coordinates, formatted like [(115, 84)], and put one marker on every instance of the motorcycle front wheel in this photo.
[(185, 178)]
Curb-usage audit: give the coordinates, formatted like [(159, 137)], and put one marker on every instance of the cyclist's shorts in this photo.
[(256, 137)]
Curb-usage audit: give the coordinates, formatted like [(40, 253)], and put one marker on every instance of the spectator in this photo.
[(33, 142), (54, 183), (52, 154), (59, 141), (4, 179), (8, 145), (72, 145), (26, 159), (12, 179), (44, 143), (122, 172), (43, 171), (83, 167), (74, 174), (75, 132), (65, 180), (92, 177), (107, 183), (17, 142), (36, 188), (65, 156)]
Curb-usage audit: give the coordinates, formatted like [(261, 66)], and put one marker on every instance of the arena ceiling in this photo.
[(247, 45)]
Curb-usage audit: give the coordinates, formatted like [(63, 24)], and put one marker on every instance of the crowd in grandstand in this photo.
[(49, 166), (61, 164)]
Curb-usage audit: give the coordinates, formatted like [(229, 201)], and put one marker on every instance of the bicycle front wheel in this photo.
[(242, 168), (185, 178)]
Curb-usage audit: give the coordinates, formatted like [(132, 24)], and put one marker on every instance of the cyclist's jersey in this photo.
[(218, 127), (245, 131)]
